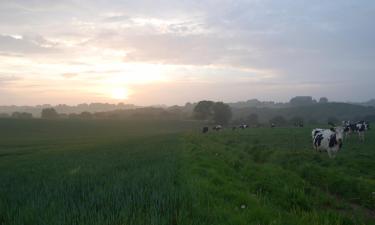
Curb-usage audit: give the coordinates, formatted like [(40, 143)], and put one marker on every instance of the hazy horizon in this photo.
[(173, 52)]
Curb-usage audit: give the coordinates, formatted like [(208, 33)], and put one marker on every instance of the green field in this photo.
[(167, 172)]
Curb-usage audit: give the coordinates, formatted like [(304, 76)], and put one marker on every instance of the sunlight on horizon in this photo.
[(120, 93)]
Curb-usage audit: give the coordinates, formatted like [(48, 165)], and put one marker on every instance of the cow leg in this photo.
[(330, 155)]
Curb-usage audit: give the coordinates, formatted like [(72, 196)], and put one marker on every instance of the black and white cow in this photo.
[(329, 140), (217, 127), (243, 126), (361, 128)]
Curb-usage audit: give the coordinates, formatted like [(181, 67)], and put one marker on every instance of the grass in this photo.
[(167, 172)]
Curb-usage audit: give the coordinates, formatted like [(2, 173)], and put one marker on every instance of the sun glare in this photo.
[(120, 93)]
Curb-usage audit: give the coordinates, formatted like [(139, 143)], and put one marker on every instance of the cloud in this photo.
[(25, 45), (8, 78), (322, 45), (69, 75)]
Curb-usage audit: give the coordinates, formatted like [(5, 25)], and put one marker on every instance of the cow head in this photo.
[(338, 136), (339, 131)]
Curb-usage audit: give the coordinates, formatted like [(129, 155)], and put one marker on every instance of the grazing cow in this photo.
[(243, 126), (273, 125), (329, 140), (205, 130), (217, 127)]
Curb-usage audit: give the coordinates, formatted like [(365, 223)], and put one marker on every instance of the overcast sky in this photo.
[(172, 52)]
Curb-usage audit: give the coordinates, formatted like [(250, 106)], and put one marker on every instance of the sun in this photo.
[(120, 93)]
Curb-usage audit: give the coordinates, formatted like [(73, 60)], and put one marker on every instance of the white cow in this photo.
[(329, 140)]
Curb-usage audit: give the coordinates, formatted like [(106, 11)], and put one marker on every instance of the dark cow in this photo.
[(205, 130)]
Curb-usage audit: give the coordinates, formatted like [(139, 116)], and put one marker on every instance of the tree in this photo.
[(22, 115), (49, 113), (302, 101), (297, 121), (203, 110), (252, 119), (323, 100), (222, 113), (278, 121), (85, 115)]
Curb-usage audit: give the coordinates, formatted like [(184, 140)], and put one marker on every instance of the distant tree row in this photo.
[(217, 112), (306, 100)]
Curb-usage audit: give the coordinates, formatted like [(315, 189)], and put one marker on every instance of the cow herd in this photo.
[(331, 140), (324, 140), (219, 128)]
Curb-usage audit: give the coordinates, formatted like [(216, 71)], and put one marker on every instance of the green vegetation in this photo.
[(167, 172)]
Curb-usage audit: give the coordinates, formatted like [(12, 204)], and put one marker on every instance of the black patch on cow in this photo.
[(316, 132), (332, 141), (318, 140), (333, 129)]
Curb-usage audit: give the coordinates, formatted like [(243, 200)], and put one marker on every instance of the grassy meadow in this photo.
[(167, 172)]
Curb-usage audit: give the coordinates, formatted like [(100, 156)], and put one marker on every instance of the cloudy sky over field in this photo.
[(160, 51)]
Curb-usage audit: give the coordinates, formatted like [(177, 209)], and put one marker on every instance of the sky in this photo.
[(171, 52)]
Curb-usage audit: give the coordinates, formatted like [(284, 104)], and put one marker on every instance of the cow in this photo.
[(361, 128), (217, 127), (349, 128), (243, 126), (329, 140), (205, 130), (273, 125)]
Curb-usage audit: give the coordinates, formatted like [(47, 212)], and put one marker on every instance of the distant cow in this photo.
[(329, 140), (273, 125), (205, 130), (217, 127), (359, 127), (243, 126), (298, 124)]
